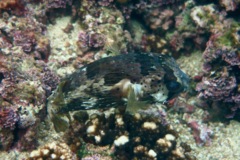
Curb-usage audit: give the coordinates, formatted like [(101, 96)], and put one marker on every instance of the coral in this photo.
[(203, 16), (181, 106), (26, 118), (50, 80), (28, 34), (27, 138), (30, 57), (42, 49), (186, 36), (201, 133), (50, 4), (6, 139), (217, 89), (134, 136), (223, 85), (8, 118), (54, 150), (15, 6), (28, 103), (92, 152), (173, 29), (159, 19), (105, 2), (219, 83), (141, 7), (25, 85), (90, 40), (93, 157), (103, 30), (177, 42), (26, 40), (229, 5)]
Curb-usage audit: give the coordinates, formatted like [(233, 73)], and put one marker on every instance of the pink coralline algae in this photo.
[(58, 3), (50, 80), (154, 12), (223, 85), (23, 93), (14, 6), (25, 84), (220, 81), (201, 133), (105, 2), (153, 3), (91, 40), (28, 34), (218, 89), (25, 79), (8, 118), (160, 19), (26, 40)]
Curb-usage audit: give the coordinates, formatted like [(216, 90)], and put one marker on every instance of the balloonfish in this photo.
[(132, 80)]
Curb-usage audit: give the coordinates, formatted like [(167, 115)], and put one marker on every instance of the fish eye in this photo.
[(173, 86)]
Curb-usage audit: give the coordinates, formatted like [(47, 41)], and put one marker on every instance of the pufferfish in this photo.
[(132, 80)]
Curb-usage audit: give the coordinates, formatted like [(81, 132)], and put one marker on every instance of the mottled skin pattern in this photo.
[(107, 82)]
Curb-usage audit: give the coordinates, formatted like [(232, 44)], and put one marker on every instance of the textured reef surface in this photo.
[(45, 42)]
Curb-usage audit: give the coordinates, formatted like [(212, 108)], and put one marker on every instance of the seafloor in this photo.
[(43, 41)]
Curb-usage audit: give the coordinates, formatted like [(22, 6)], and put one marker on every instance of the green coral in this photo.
[(205, 16), (230, 37), (187, 23)]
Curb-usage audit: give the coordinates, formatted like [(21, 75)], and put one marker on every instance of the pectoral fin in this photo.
[(133, 105), (60, 122)]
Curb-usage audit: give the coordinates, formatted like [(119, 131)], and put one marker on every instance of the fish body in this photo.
[(114, 81)]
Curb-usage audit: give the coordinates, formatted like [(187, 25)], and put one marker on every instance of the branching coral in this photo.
[(134, 136), (53, 150)]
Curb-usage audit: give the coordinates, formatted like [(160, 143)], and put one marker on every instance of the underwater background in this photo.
[(42, 42)]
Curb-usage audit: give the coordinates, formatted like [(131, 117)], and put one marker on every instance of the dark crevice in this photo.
[(1, 77)]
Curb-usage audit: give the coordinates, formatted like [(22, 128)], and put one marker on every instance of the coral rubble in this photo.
[(53, 151)]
